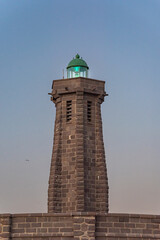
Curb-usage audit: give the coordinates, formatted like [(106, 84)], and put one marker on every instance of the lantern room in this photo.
[(77, 67)]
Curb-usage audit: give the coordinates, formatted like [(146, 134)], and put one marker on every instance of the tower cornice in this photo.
[(72, 85)]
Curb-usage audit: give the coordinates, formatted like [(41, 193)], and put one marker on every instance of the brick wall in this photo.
[(5, 225), (127, 226), (37, 226), (79, 226)]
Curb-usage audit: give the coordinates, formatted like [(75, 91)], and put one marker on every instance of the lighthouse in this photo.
[(78, 174)]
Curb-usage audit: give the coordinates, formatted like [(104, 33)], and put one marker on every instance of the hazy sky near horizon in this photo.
[(120, 41)]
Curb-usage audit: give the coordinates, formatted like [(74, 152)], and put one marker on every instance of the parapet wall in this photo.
[(127, 226), (79, 226)]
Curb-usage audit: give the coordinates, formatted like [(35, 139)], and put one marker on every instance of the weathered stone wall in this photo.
[(79, 226), (78, 177), (127, 226), (5, 226), (37, 226)]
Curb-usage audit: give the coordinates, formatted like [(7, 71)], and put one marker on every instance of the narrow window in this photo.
[(69, 111), (89, 112)]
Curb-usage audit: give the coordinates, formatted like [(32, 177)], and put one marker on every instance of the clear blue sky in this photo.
[(120, 41)]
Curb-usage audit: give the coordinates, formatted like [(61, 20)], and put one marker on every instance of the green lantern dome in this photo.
[(77, 61), (77, 67)]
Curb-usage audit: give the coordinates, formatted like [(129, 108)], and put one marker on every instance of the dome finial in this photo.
[(77, 56)]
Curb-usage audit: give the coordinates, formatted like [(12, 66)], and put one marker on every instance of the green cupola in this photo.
[(77, 67)]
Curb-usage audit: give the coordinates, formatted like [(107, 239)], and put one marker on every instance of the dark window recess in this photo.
[(69, 111), (89, 111)]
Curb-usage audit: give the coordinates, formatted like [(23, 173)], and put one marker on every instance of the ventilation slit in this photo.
[(69, 111), (89, 112)]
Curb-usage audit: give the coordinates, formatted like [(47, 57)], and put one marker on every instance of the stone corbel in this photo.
[(55, 97)]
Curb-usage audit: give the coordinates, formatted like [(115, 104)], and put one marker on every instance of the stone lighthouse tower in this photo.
[(78, 178)]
